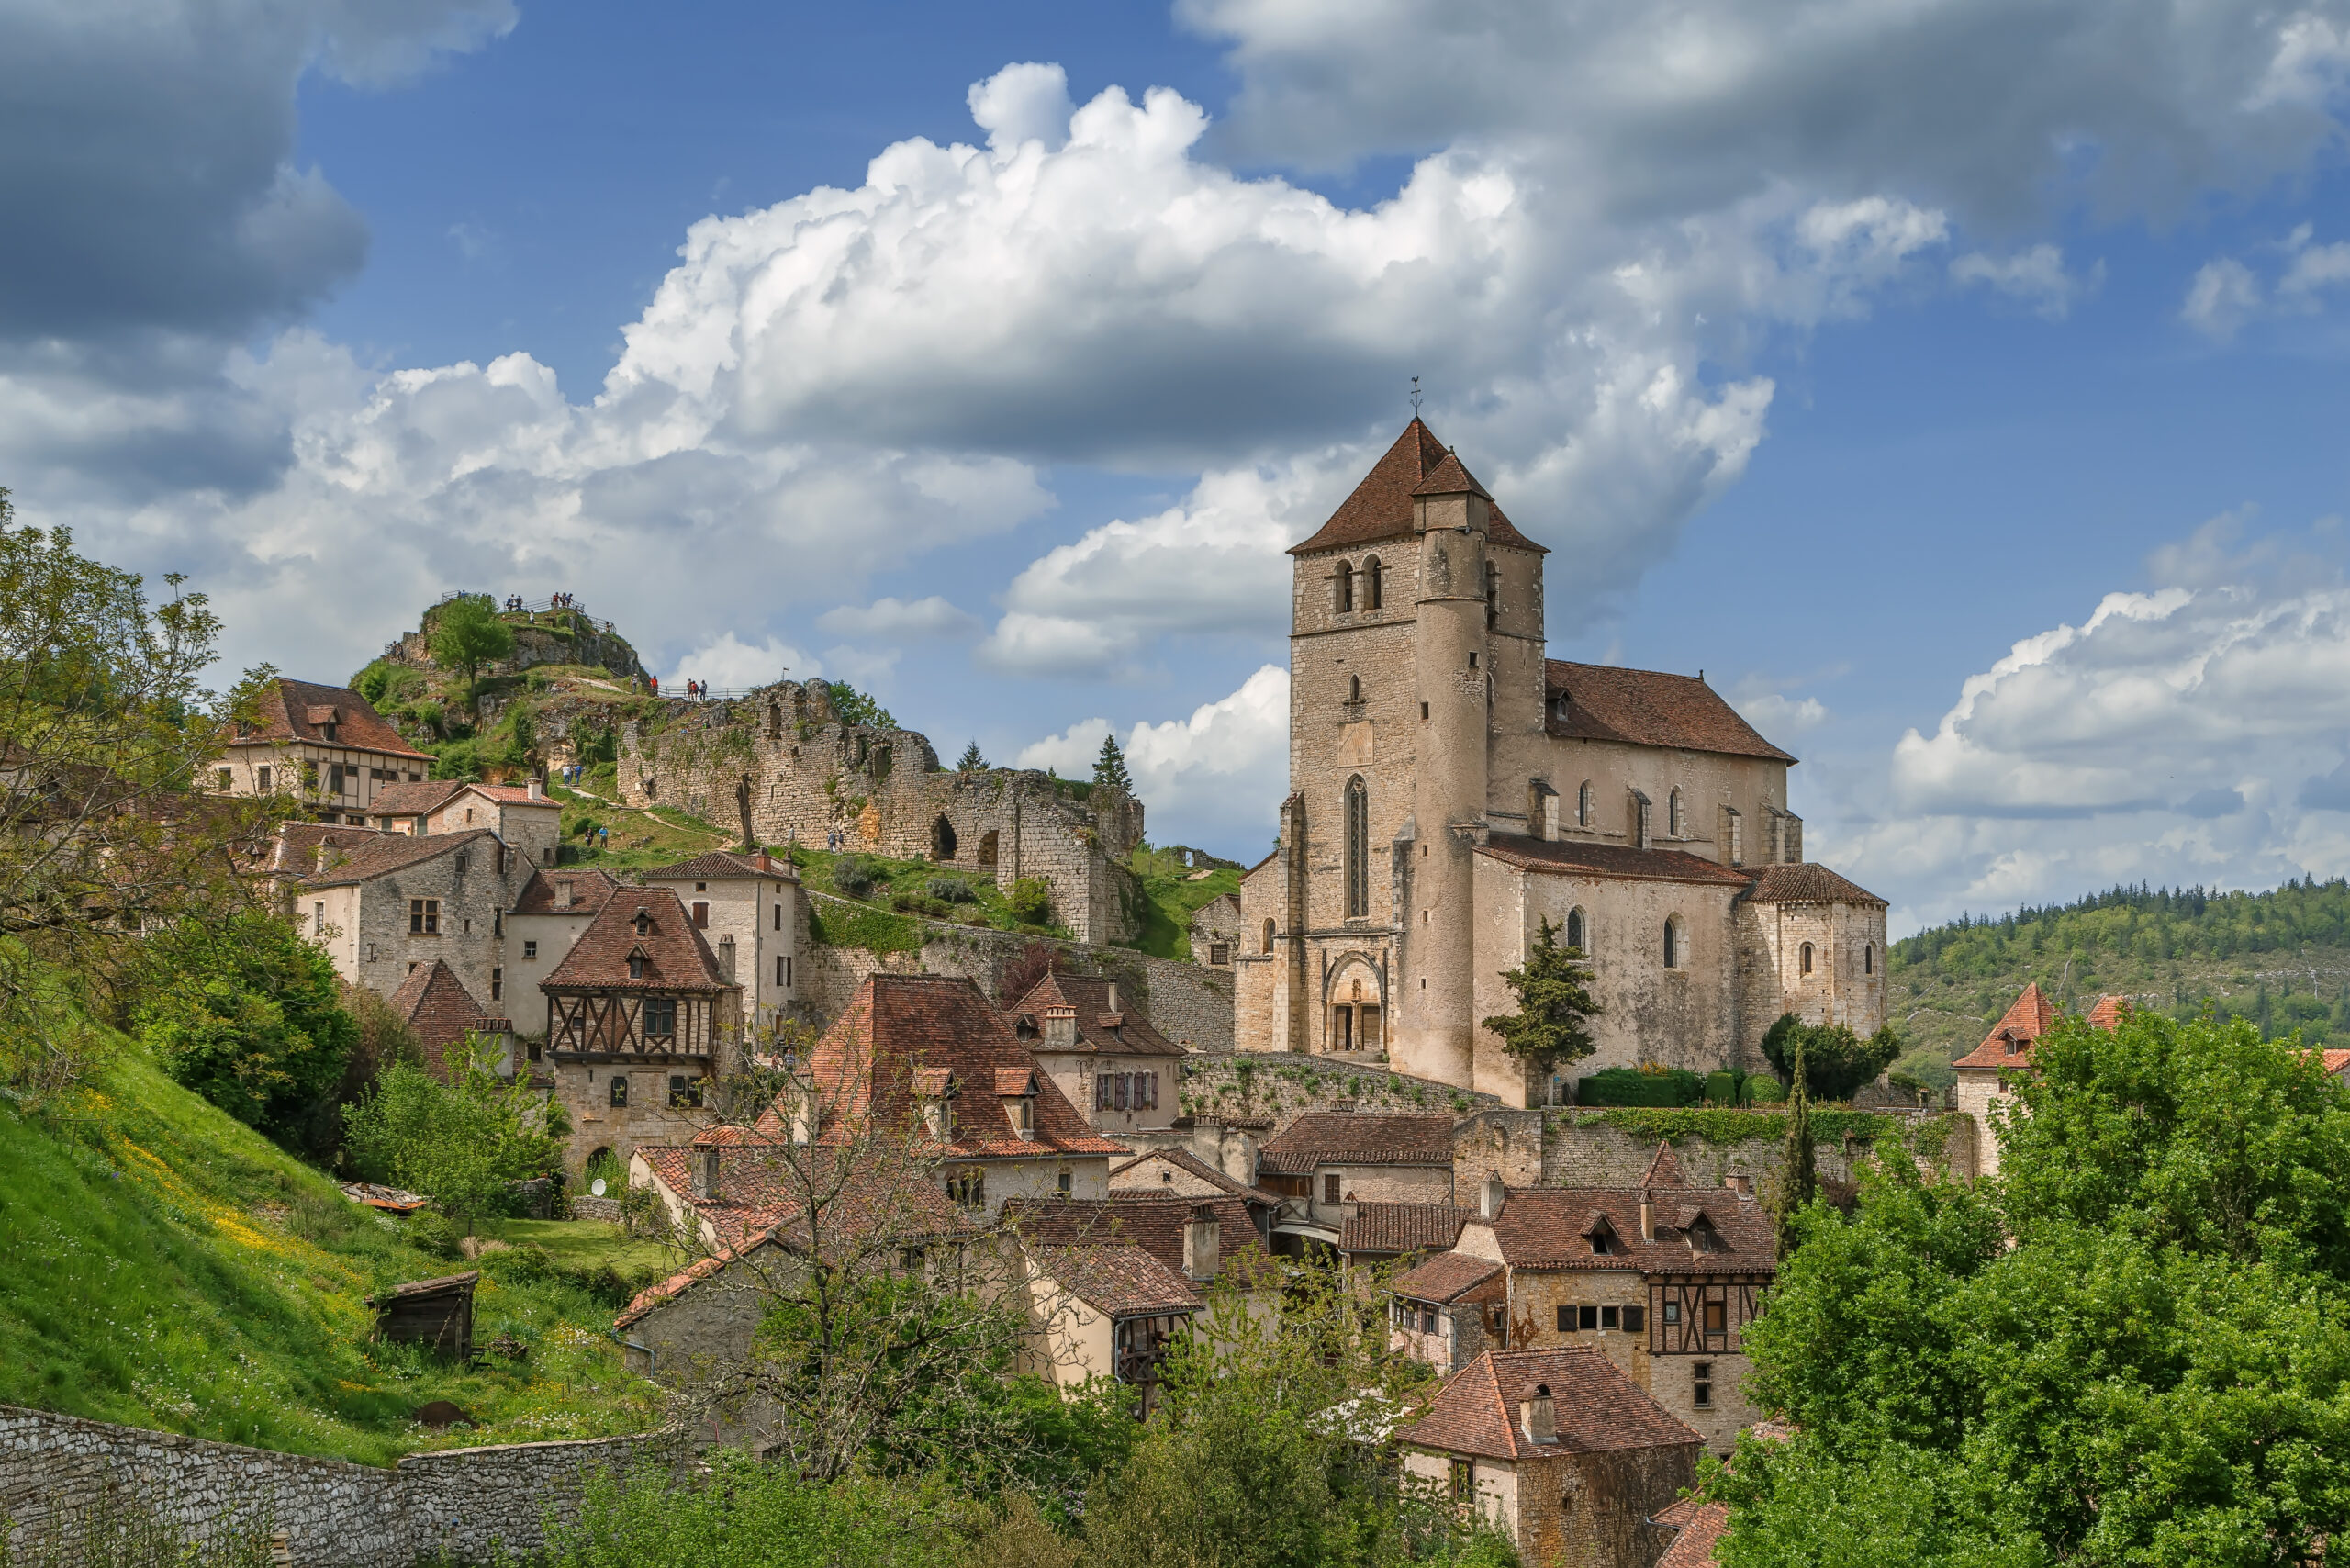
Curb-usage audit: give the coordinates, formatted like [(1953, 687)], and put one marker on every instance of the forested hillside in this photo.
[(2280, 959)]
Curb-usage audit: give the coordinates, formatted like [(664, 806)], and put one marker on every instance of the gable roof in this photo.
[(1119, 1281), (897, 1026), (675, 957), (1356, 1137), (413, 799), (1581, 858), (294, 711), (380, 854), (1646, 706), (435, 1001), (1547, 1229), (1152, 1222), (723, 865), (2109, 1012), (1100, 1026), (1447, 1277), (1380, 506), (1664, 1170), (2010, 1039), (1402, 1227), (1701, 1524), (591, 889), (1808, 882), (1191, 1164), (1598, 1410)]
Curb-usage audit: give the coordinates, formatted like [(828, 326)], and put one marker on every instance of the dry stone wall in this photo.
[(462, 1504), (808, 775)]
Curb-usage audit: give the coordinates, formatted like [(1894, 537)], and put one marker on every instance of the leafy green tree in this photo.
[(1838, 1061), (468, 633), (248, 1014), (855, 708), (971, 761), (1110, 768), (458, 1139), (1551, 1027)]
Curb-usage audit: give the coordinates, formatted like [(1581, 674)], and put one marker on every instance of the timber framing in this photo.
[(612, 1025)]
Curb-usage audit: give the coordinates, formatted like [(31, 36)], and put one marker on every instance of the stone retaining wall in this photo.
[(1560, 1149), (458, 1503)]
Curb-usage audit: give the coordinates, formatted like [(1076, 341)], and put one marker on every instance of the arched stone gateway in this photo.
[(942, 839)]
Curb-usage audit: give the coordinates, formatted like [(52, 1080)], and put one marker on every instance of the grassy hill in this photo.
[(2280, 958), (168, 1267)]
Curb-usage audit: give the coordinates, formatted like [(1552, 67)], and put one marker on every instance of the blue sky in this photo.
[(1960, 385)]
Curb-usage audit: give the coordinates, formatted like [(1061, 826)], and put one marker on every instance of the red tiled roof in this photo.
[(1701, 1525), (1100, 1027), (295, 847), (513, 795), (379, 854), (1574, 858), (1598, 1410), (2009, 1041), (1664, 1170), (1450, 477), (435, 1003), (412, 800), (2334, 1061), (675, 957), (1119, 1281), (1646, 706), (898, 1025), (1808, 883), (292, 711), (723, 865), (1445, 1277), (1151, 1222), (764, 1187), (1546, 1229), (1356, 1137), (1191, 1164), (2109, 1012), (591, 889), (1380, 506), (1402, 1227)]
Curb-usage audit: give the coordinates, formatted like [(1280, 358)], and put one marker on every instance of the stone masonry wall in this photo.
[(811, 776), (461, 1503), (1564, 1148)]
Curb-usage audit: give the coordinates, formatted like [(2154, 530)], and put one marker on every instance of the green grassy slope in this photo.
[(1175, 896), (2280, 958), (168, 1267)]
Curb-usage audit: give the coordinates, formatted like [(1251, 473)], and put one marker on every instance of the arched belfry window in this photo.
[(1578, 936), (1357, 848), (1804, 964), (1344, 586), (1372, 584)]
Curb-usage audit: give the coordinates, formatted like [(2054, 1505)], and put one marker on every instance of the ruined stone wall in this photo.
[(811, 776), (460, 1503)]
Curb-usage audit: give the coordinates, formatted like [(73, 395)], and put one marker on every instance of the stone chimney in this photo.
[(763, 860), (1538, 1418), (325, 853), (1060, 1028), (1203, 1239), (538, 788), (1491, 1197), (705, 1165), (1112, 1005), (1647, 1218)]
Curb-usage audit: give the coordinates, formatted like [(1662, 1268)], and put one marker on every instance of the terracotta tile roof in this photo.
[(723, 865), (294, 711), (1183, 1160), (1700, 1524), (2334, 1061), (1356, 1137), (1152, 1222), (591, 889), (513, 795), (2009, 1042), (1664, 1170), (1450, 477), (295, 847), (653, 1295), (1546, 1229), (412, 800), (1445, 1277), (1380, 506), (2109, 1012), (647, 922), (1119, 1281), (1598, 1410), (763, 1194), (1572, 857), (1100, 1026), (1402, 1227), (1808, 883), (899, 1026), (380, 854), (1648, 707), (435, 1003)]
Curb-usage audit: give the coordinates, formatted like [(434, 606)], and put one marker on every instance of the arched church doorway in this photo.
[(1357, 1012)]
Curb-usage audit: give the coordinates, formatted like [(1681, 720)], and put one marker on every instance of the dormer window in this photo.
[(643, 923), (1604, 1241), (636, 966), (326, 732)]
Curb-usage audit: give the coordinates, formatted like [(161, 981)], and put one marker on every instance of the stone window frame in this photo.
[(1583, 805), (425, 917), (1342, 587), (1804, 959), (1576, 929), (1676, 942), (1357, 858), (1375, 583)]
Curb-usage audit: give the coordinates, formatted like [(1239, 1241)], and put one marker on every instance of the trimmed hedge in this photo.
[(1765, 1090), (1630, 1086)]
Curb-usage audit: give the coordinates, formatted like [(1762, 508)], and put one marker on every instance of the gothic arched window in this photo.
[(1372, 585), (1343, 585), (1576, 933), (1583, 804), (1358, 849), (1673, 824)]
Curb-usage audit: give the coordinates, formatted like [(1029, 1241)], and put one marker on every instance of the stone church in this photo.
[(1450, 787)]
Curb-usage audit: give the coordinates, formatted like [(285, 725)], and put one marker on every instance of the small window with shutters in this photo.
[(1331, 1186), (701, 917)]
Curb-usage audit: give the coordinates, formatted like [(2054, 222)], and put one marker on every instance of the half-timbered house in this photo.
[(640, 1019)]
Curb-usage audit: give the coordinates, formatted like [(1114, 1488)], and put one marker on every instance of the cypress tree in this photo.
[(1799, 1171)]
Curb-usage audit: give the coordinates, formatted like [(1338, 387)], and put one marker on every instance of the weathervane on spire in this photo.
[(1415, 397)]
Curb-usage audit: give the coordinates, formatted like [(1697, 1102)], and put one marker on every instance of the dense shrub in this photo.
[(1636, 1086), (1031, 902), (1722, 1088), (1763, 1089), (953, 889)]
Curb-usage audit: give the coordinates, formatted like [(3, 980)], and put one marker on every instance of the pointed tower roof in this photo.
[(1450, 477), (2011, 1038), (1380, 507), (1664, 1170)]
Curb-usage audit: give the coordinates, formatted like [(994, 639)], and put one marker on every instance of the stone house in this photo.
[(640, 1020), (748, 908), (554, 910), (520, 814), (1179, 1173), (434, 1003), (1663, 1279), (1558, 1448), (1986, 1074), (783, 764), (325, 743), (1447, 1310), (386, 904), (1118, 1069), (1215, 931), (1326, 1163), (1451, 786), (1392, 1236)]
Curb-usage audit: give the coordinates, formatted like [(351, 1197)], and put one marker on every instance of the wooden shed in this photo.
[(439, 1313)]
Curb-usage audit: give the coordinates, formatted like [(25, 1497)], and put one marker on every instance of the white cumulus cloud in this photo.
[(1198, 776)]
